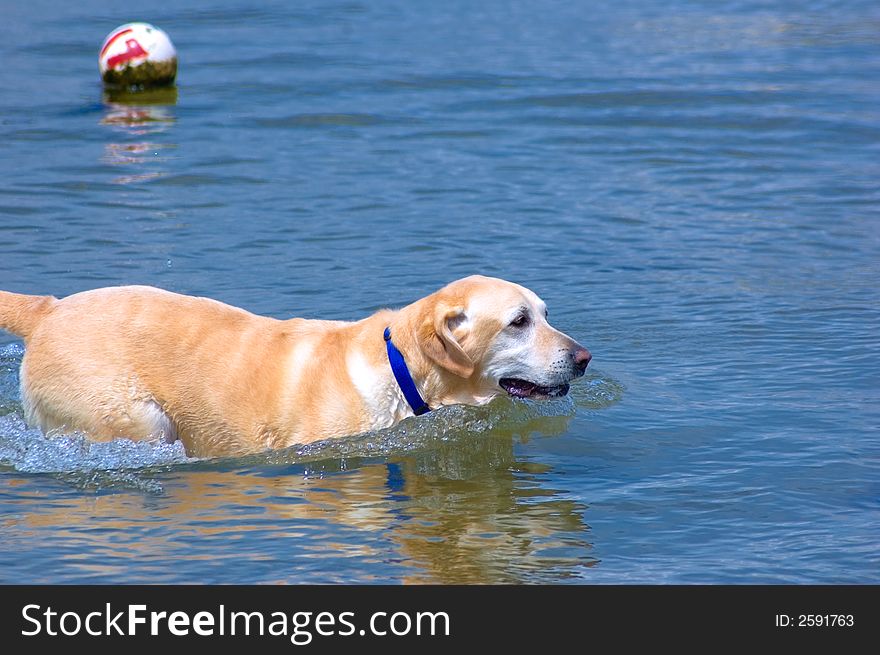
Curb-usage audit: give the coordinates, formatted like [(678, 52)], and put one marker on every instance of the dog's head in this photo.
[(493, 336)]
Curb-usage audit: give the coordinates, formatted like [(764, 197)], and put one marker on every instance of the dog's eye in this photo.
[(520, 321)]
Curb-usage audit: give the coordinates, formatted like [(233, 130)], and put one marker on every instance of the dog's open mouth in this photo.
[(524, 389)]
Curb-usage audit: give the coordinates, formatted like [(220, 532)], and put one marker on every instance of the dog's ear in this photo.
[(438, 343)]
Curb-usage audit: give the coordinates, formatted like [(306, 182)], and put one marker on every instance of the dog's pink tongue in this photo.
[(519, 388)]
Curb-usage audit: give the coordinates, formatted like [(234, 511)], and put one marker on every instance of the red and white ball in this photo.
[(137, 55)]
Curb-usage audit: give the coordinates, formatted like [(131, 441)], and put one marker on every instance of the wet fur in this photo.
[(140, 362)]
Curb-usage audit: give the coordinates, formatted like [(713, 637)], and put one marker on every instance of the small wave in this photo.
[(10, 362), (501, 417), (597, 391)]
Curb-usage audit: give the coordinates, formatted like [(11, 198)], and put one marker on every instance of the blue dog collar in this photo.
[(403, 377)]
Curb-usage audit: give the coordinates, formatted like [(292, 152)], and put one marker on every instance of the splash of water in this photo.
[(29, 450), (10, 362)]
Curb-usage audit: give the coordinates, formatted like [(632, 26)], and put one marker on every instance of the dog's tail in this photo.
[(20, 314)]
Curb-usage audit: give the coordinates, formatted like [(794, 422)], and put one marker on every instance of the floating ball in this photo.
[(137, 55)]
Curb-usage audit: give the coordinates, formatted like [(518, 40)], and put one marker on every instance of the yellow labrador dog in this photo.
[(139, 362)]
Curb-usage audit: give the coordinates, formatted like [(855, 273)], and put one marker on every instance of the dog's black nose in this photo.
[(582, 358)]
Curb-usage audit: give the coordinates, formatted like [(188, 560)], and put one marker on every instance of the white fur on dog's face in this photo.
[(504, 329)]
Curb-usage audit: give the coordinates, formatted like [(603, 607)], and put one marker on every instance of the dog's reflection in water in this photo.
[(467, 510)]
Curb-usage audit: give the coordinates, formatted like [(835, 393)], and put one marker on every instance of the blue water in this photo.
[(691, 186)]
